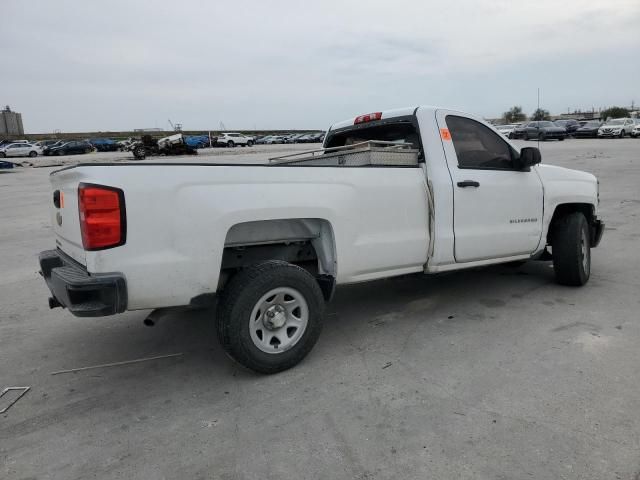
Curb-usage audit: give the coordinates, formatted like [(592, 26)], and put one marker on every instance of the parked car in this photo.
[(8, 142), (569, 125), (104, 144), (45, 143), (233, 139), (540, 130), (20, 150), (507, 130), (306, 138), (69, 148), (53, 145), (198, 141), (317, 137), (617, 127), (588, 130), (273, 139), (269, 243), (635, 133)]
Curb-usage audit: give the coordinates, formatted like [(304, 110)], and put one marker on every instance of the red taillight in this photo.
[(102, 216), (369, 117)]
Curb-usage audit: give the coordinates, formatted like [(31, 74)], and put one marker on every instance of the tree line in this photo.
[(515, 114)]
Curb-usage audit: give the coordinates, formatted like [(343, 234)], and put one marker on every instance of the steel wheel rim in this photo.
[(278, 320), (584, 252)]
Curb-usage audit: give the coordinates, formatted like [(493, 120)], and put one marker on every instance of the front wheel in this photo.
[(571, 247), (3, 155), (270, 316), (250, 143), (139, 152), (33, 154), (230, 144), (621, 133)]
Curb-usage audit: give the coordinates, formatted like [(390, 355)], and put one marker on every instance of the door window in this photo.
[(477, 146)]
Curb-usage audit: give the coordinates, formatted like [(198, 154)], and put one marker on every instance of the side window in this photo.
[(477, 146)]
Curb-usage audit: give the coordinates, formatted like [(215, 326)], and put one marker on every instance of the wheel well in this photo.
[(565, 209), (306, 242)]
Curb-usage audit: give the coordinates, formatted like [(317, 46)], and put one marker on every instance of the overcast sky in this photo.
[(81, 65)]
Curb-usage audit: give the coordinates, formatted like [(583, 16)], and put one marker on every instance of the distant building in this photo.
[(148, 130), (10, 122)]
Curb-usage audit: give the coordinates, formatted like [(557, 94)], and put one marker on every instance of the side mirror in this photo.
[(529, 156)]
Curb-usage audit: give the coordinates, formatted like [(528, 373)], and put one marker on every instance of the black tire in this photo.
[(243, 294), (621, 133), (250, 143), (33, 154), (570, 243), (139, 152), (230, 144), (542, 137), (3, 155), (59, 153), (87, 150)]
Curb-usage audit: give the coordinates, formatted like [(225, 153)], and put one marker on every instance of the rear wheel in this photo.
[(3, 155), (571, 246), (250, 143), (230, 144), (33, 154), (542, 137), (270, 316)]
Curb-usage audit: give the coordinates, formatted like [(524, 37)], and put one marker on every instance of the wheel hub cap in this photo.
[(278, 320), (275, 317)]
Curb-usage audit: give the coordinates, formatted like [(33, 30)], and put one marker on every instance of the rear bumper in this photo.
[(83, 294)]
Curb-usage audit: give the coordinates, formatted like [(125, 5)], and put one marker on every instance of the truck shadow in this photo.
[(473, 295)]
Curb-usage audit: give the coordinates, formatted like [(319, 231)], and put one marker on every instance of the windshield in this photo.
[(546, 124), (617, 121)]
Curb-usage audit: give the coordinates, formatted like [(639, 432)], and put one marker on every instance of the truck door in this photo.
[(497, 209)]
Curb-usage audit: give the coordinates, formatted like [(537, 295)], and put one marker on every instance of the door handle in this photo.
[(468, 183)]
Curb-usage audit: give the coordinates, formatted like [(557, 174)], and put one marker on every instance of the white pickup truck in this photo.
[(415, 190)]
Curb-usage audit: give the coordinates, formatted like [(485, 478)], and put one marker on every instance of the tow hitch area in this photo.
[(85, 295)]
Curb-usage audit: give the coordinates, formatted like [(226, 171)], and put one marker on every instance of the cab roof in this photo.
[(396, 112)]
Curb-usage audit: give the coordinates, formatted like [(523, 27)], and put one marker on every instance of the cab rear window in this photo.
[(400, 132)]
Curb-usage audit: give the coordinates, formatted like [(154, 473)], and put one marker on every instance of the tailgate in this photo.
[(65, 217)]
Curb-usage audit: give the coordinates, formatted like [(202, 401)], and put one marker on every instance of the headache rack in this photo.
[(373, 152)]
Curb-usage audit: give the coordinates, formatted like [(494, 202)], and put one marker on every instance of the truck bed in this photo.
[(179, 215)]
